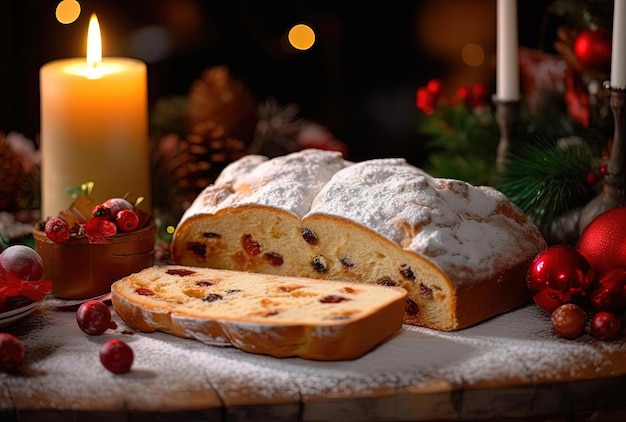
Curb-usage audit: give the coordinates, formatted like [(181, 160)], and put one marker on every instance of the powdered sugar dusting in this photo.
[(289, 182), (62, 368), (457, 225)]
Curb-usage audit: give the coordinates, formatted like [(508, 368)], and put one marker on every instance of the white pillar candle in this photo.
[(618, 47), (507, 50), (94, 128)]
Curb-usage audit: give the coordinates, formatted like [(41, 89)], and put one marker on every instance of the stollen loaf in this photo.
[(261, 313), (461, 251)]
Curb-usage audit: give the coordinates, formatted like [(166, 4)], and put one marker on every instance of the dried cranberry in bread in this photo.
[(259, 313), (461, 251)]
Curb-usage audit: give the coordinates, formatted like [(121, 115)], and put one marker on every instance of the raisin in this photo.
[(425, 292), (210, 235), (179, 271), (319, 264), (333, 299), (204, 283), (212, 297), (386, 281), (411, 307), (274, 259), (231, 291), (289, 288), (251, 246), (407, 272), (271, 313), (197, 248), (347, 262), (309, 236), (144, 292), (348, 290)]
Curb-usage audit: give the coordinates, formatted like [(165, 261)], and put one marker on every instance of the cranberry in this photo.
[(94, 318), (127, 220), (11, 352), (23, 261), (110, 208), (606, 326), (57, 230), (568, 320), (116, 356)]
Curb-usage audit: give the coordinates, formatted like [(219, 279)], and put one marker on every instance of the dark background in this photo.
[(358, 80)]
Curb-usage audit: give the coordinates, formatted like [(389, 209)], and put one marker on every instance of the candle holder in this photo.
[(613, 193), (507, 115)]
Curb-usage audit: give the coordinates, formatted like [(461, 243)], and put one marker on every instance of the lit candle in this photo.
[(507, 66), (618, 47), (94, 127)]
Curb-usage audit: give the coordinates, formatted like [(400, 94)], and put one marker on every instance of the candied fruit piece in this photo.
[(289, 288), (204, 283), (251, 246), (274, 259), (180, 272), (144, 292), (333, 299)]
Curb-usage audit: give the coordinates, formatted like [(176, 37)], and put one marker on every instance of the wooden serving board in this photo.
[(509, 367)]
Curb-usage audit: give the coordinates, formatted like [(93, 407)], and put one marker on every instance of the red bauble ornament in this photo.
[(609, 294), (592, 48), (560, 268), (603, 241)]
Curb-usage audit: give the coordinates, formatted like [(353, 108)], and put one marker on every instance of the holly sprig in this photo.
[(461, 132)]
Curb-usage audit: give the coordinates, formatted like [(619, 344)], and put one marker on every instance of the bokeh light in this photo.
[(473, 55), (67, 11), (301, 37)]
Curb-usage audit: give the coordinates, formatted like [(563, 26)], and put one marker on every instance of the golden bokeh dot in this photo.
[(301, 37), (473, 55), (67, 11)]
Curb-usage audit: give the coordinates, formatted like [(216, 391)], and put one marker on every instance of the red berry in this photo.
[(94, 318), (23, 261), (116, 356), (57, 230), (549, 299), (591, 178), (127, 220), (11, 352), (606, 326), (568, 321), (110, 208)]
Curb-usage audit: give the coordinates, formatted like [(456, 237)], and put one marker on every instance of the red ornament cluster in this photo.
[(430, 96), (584, 287), (107, 219)]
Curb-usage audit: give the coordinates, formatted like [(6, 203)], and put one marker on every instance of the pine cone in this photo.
[(11, 172), (277, 130), (222, 103)]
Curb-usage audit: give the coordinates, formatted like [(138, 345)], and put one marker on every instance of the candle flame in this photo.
[(94, 43)]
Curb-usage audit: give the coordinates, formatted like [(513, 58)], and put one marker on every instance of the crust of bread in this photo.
[(331, 331)]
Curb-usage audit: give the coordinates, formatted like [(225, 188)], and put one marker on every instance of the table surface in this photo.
[(511, 366)]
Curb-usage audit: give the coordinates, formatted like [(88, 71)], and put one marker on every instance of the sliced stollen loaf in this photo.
[(461, 251), (261, 313)]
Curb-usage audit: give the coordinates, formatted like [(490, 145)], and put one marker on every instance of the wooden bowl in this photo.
[(81, 270)]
